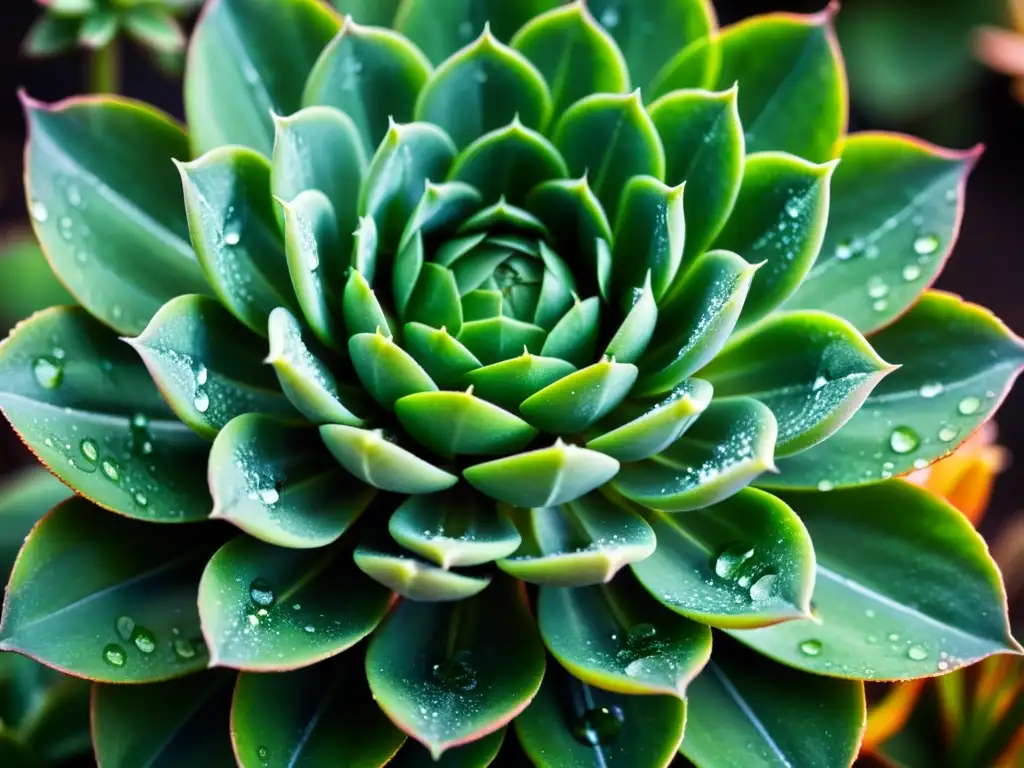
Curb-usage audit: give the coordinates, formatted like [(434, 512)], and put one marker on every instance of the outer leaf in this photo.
[(543, 478), (650, 32), (575, 402), (80, 598), (203, 361), (454, 528), (85, 405), (650, 234), (877, 620), (306, 380), (634, 334), (482, 88), (311, 717), (451, 423), (248, 59), (435, 299), (511, 382), (958, 363), (704, 146), (743, 562), (574, 337), (747, 711), (417, 579), (476, 663), (382, 464), (508, 163), (441, 31), (183, 722), (812, 369), (617, 637), (794, 87), (895, 214), (363, 312), (372, 75), (443, 357), (729, 446), (25, 496), (499, 338), (101, 188), (235, 231), (696, 66), (610, 138), (584, 542), (386, 370), (779, 218), (279, 484), (574, 54), (571, 724), (248, 597)]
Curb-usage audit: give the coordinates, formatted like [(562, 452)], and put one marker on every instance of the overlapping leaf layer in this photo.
[(478, 325)]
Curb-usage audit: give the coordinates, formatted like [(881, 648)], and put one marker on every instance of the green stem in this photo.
[(105, 69)]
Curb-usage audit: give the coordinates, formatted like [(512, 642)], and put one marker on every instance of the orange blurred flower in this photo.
[(1003, 49)]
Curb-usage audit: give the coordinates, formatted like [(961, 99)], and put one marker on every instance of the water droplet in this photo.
[(948, 434), (263, 754), (904, 440), (183, 648), (920, 463), (144, 640), (65, 227), (870, 613), (310, 628), (818, 383), (466, 29), (877, 287), (114, 655), (202, 402), (731, 559), (942, 666), (48, 371), (125, 626), (826, 485), (911, 272), (880, 305), (598, 726), (894, 638), (810, 647), (610, 18), (917, 653), (269, 496), (793, 209), (89, 450), (111, 470), (140, 499), (844, 250), (261, 593), (926, 245), (763, 588), (202, 375), (232, 237), (456, 673), (930, 390), (74, 196), (38, 210), (968, 406)]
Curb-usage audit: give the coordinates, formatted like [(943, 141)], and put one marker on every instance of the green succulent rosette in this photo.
[(540, 365)]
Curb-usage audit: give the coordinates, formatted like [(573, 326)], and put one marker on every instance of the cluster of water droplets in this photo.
[(145, 641), (743, 566)]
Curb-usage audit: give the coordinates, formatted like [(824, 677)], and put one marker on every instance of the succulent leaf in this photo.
[(416, 579)]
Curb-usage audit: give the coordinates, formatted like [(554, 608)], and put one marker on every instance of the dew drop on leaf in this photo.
[(904, 440), (926, 245), (844, 250), (125, 626), (917, 653), (911, 272), (183, 648), (140, 499), (202, 402), (263, 754), (144, 640), (74, 196), (610, 18), (111, 470), (598, 726), (49, 372), (114, 655), (877, 288), (202, 375), (763, 588), (968, 406), (948, 434), (731, 559), (90, 450), (826, 485), (810, 647), (261, 593), (930, 390), (38, 210)]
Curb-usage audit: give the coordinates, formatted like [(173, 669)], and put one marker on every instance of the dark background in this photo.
[(962, 105)]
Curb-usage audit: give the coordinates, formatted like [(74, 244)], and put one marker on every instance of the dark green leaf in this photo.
[(416, 579), (617, 637), (154, 28), (574, 337), (570, 724), (25, 496), (578, 400), (279, 484), (476, 663), (435, 299), (183, 722), (543, 478), (382, 464), (235, 231), (504, 217), (98, 29), (476, 754), (586, 541), (386, 370), (649, 237), (248, 59), (745, 710), (703, 139), (57, 727), (696, 67), (779, 220), (812, 369), (442, 207), (451, 423), (311, 716), (442, 30), (84, 404), (482, 88), (958, 363), (51, 34), (101, 190), (23, 264), (379, 13), (372, 75), (610, 138), (500, 338), (916, 596), (80, 598), (729, 446), (650, 32), (574, 54), (454, 528), (895, 212), (511, 382), (634, 334), (792, 80), (444, 358), (267, 608), (743, 562), (363, 312), (206, 365), (508, 162)]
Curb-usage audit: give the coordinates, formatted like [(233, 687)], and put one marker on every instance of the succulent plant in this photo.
[(537, 364)]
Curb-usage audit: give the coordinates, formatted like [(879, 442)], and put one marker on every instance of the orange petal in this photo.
[(889, 715)]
